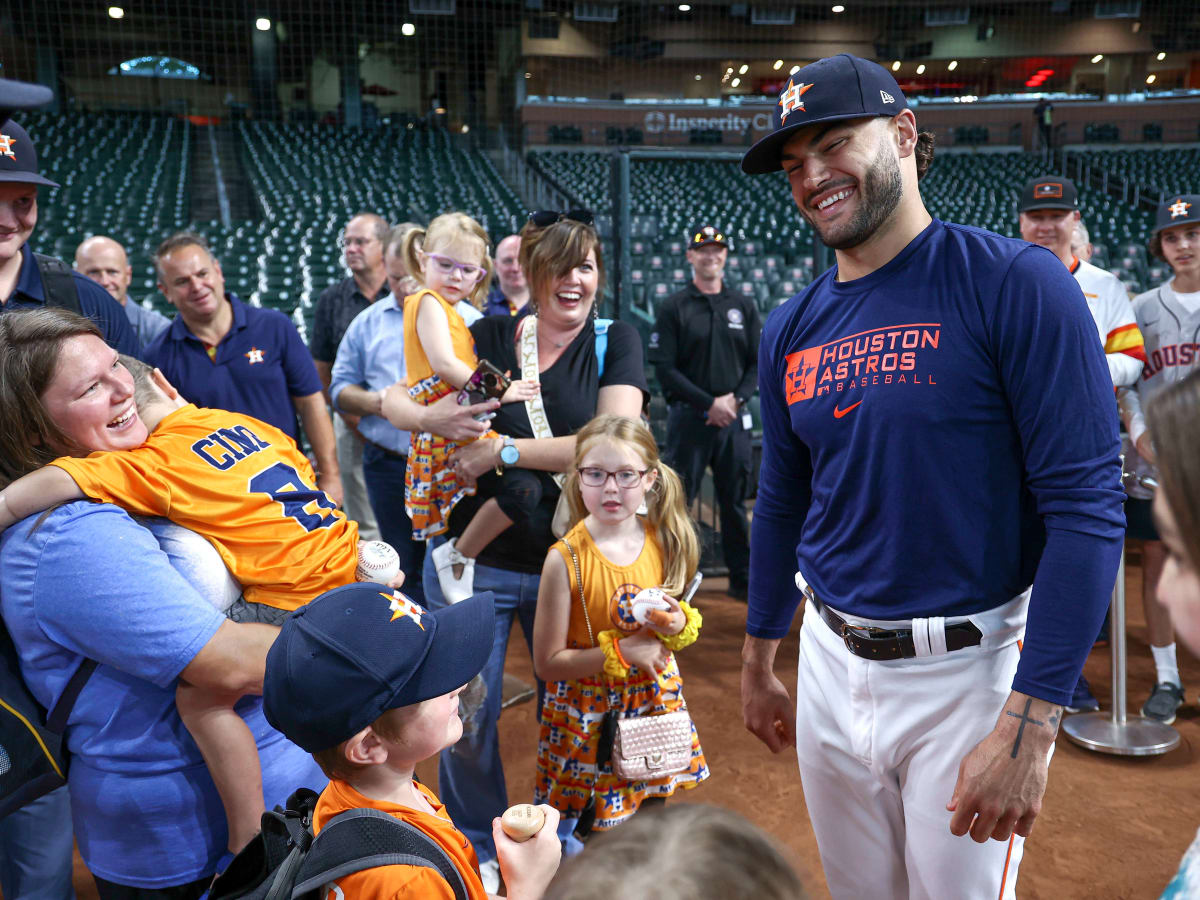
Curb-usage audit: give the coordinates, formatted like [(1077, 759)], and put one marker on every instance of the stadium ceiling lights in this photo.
[(953, 65), (744, 69), (158, 67), (921, 69), (793, 70), (1097, 58), (735, 82), (408, 29), (262, 24), (838, 9), (683, 7), (896, 66), (1150, 79), (115, 12), (778, 65), (1161, 57)]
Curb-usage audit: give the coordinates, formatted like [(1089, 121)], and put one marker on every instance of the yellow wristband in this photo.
[(615, 665), (690, 631)]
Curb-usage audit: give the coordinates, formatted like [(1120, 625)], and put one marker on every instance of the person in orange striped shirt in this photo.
[(245, 486)]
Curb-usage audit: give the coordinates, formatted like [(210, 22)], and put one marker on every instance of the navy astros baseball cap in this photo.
[(18, 159), (702, 235), (1183, 209), (357, 651), (837, 87), (1048, 192), (16, 95)]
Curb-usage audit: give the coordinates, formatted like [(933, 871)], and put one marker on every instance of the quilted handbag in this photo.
[(644, 747)]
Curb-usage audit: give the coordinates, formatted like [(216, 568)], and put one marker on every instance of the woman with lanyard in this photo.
[(584, 369), (1169, 319)]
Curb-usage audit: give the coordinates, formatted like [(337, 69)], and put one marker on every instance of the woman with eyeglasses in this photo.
[(582, 373)]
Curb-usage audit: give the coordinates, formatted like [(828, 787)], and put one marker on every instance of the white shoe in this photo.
[(489, 874), (445, 558)]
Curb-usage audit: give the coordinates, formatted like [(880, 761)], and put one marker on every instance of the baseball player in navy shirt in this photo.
[(940, 478)]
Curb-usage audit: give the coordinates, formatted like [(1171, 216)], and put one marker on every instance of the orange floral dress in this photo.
[(573, 711), (430, 487)]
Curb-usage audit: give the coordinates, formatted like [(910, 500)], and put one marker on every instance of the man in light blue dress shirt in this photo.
[(370, 362), (104, 261)]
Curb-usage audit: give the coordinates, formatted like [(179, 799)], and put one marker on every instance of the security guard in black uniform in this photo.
[(705, 350)]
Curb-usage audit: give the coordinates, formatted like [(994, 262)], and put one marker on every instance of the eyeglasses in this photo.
[(447, 265), (625, 478), (544, 218)]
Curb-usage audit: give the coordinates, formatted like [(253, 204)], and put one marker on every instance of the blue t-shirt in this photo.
[(937, 436), (260, 365), (90, 582), (94, 302)]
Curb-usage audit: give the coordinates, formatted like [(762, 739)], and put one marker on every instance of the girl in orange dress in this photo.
[(451, 257), (605, 659)]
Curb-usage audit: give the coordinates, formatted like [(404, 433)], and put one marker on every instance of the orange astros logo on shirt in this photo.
[(254, 355), (894, 354)]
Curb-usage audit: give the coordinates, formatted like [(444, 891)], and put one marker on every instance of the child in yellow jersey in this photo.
[(368, 682), (605, 659), (244, 486), (452, 262)]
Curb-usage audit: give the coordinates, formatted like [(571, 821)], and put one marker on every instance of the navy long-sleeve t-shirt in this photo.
[(937, 436)]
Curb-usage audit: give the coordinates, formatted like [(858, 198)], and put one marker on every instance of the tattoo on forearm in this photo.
[(1025, 720)]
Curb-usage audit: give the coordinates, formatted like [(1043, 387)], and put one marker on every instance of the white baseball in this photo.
[(645, 600), (523, 821), (377, 561)]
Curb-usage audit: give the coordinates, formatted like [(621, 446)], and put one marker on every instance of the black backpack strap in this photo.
[(58, 283), (367, 838), (56, 720)]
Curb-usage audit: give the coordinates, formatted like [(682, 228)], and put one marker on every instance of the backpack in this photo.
[(286, 862), (58, 283), (33, 753)]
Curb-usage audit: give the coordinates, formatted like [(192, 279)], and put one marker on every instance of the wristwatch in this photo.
[(509, 454)]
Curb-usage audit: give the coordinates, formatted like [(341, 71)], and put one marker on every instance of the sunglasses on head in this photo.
[(544, 218)]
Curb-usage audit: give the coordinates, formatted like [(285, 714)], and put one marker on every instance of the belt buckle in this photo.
[(864, 633)]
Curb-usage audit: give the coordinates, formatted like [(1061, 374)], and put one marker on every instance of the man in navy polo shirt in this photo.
[(22, 273), (219, 352)]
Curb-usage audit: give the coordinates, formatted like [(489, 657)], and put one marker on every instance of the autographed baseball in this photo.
[(523, 821), (377, 561), (645, 601)]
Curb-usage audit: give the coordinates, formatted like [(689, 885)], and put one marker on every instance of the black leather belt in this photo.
[(391, 454), (869, 642)]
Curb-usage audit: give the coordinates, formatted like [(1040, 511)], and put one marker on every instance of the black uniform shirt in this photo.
[(706, 345), (336, 308)]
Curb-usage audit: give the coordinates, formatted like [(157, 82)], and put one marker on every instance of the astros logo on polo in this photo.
[(789, 100), (6, 145)]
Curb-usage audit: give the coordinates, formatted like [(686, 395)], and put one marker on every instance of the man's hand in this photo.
[(767, 710), (350, 420), (1001, 782), (1145, 447), (528, 867), (331, 484), (724, 410)]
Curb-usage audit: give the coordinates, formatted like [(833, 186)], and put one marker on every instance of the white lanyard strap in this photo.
[(534, 407)]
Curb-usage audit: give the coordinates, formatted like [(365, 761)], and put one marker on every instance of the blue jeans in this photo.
[(470, 774), (384, 478), (36, 843)]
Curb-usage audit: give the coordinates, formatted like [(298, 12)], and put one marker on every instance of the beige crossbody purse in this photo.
[(643, 747)]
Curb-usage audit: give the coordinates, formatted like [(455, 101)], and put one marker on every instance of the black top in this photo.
[(570, 389), (336, 308), (705, 345)]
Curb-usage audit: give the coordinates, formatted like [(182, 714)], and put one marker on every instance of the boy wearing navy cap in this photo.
[(940, 466), (368, 682)]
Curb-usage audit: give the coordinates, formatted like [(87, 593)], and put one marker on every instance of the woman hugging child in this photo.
[(450, 258), (593, 654)]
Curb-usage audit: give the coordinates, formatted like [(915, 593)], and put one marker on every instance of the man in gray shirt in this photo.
[(104, 261)]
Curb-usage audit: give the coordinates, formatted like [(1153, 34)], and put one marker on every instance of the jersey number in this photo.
[(283, 484)]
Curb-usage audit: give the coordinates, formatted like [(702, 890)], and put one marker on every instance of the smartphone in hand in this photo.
[(486, 383)]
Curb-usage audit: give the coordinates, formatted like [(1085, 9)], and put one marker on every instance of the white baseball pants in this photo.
[(879, 745)]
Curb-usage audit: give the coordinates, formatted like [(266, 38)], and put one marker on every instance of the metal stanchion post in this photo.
[(1119, 733)]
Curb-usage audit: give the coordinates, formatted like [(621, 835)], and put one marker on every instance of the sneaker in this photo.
[(489, 874), (1164, 700), (445, 558), (1082, 699)]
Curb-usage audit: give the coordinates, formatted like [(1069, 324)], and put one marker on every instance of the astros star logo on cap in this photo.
[(790, 101), (402, 607), (1179, 208), (6, 143)]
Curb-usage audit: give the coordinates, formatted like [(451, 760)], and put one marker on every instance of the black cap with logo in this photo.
[(702, 235), (837, 87), (18, 159), (1048, 192), (1182, 209)]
